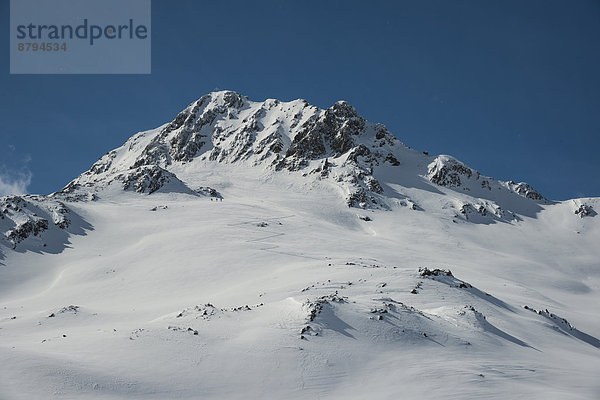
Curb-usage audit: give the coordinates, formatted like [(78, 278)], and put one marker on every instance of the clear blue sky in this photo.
[(512, 88)]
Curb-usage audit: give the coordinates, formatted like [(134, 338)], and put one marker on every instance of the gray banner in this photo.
[(80, 37)]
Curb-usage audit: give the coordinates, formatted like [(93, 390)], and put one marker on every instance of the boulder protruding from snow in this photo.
[(146, 179), (584, 210)]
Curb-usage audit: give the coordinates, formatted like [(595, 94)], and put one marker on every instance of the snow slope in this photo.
[(322, 271)]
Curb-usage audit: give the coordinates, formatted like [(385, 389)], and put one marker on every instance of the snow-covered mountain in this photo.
[(336, 145), (279, 250)]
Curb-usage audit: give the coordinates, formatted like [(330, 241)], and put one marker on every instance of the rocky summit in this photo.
[(336, 145)]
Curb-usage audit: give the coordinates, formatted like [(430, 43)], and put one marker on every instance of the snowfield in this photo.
[(257, 278)]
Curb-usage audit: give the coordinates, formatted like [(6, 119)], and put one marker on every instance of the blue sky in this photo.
[(509, 87)]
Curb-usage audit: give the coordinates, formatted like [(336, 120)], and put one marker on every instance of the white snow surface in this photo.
[(271, 286)]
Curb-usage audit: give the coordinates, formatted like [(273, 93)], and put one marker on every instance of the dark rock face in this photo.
[(585, 210), (147, 179), (104, 163), (12, 203), (373, 185), (28, 216), (468, 208), (450, 174), (358, 198), (59, 215), (434, 272), (194, 128), (392, 160), (331, 134), (189, 141), (527, 191), (341, 124), (25, 229), (154, 154), (208, 191), (308, 144)]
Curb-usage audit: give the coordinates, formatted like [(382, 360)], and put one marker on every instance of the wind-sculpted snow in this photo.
[(562, 325)]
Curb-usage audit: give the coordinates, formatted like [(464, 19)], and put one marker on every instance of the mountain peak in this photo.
[(334, 145), (227, 98)]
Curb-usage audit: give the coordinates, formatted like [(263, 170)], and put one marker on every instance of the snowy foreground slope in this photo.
[(276, 250)]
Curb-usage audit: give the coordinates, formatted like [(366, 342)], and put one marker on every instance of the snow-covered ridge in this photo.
[(336, 145), (448, 171)]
